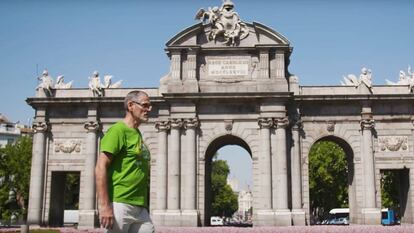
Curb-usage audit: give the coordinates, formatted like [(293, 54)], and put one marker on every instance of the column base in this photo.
[(298, 217), (87, 219), (264, 218), (283, 217), (175, 218), (371, 216)]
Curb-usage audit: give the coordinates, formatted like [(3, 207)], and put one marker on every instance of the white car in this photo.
[(216, 221)]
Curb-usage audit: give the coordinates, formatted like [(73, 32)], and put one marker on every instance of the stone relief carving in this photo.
[(228, 125), (393, 143), (68, 146), (330, 126), (225, 23), (365, 78), (404, 79)]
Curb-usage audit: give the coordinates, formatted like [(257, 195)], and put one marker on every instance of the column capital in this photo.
[(367, 124), (176, 123), (281, 122), (162, 125), (191, 123), (91, 126), (40, 127), (265, 123)]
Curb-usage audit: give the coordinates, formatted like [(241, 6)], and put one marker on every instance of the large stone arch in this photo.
[(214, 146), (351, 179)]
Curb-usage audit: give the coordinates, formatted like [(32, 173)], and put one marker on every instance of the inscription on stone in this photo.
[(228, 66)]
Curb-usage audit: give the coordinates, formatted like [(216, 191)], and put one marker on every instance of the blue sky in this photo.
[(126, 39)]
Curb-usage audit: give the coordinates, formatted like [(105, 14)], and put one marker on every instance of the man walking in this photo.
[(122, 171)]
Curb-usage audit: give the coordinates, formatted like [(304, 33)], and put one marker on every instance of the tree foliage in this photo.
[(15, 162), (224, 200), (390, 189), (328, 177)]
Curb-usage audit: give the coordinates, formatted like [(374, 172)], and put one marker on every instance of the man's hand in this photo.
[(106, 216)]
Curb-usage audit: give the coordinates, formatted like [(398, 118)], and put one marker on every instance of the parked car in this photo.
[(216, 221)]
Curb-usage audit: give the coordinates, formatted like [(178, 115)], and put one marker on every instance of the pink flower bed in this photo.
[(293, 229)]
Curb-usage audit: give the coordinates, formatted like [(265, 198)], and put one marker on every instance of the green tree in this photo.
[(390, 189), (328, 177), (15, 162), (225, 201)]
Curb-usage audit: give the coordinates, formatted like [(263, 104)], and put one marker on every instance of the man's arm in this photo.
[(106, 213)]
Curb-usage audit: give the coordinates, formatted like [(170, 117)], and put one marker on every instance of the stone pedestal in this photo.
[(175, 218), (283, 218), (87, 219), (371, 216), (298, 217), (189, 218), (265, 218)]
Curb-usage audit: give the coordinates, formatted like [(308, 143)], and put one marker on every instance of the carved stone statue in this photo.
[(95, 84), (60, 83), (364, 78), (225, 23), (404, 79), (46, 83), (108, 82)]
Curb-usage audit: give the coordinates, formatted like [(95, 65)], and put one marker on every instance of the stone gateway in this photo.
[(228, 86)]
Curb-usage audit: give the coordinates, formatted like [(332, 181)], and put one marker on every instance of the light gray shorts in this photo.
[(131, 219)]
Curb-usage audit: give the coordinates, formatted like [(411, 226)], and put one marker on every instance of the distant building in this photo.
[(9, 131), (234, 184), (245, 204)]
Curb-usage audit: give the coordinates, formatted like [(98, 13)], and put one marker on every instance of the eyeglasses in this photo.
[(147, 106)]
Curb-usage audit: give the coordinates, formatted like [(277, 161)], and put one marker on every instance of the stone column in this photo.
[(191, 83), (34, 215), (298, 214), (163, 127), (279, 175), (280, 65), (173, 200), (87, 212), (264, 64), (371, 214), (265, 214), (189, 174), (175, 68)]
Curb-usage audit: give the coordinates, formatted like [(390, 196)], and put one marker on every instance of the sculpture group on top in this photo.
[(364, 78), (404, 79), (225, 22), (47, 83), (97, 87)]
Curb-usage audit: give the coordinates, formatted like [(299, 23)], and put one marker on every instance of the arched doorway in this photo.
[(214, 146), (331, 178)]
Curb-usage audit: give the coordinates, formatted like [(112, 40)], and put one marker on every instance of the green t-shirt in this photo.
[(128, 179)]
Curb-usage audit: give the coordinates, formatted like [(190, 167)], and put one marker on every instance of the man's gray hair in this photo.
[(133, 96)]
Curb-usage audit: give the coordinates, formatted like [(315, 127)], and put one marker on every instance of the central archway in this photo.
[(341, 144), (212, 148)]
